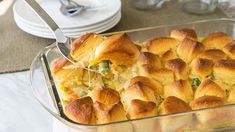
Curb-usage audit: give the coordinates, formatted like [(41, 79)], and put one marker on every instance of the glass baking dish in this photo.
[(210, 119)]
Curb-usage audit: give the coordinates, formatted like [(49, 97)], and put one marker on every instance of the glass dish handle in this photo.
[(41, 89)]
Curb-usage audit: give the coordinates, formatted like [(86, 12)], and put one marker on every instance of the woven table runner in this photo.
[(17, 48)]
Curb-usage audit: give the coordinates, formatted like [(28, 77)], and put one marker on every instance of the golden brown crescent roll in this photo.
[(63, 74), (149, 59), (66, 79), (140, 100), (213, 118), (210, 88), (83, 48), (172, 105), (180, 89), (81, 111), (119, 49), (229, 49), (162, 75), (213, 54), (201, 68), (216, 40), (58, 71), (207, 102), (109, 113), (137, 91), (224, 70), (155, 85), (180, 34), (140, 109), (231, 97), (168, 55), (161, 45), (107, 105), (58, 64), (106, 96), (189, 49), (113, 113), (179, 67)]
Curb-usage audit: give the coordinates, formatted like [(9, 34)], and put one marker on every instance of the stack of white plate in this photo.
[(103, 15)]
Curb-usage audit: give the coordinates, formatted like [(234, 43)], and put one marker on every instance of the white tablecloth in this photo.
[(19, 111)]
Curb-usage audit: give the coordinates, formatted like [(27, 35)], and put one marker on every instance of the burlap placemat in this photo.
[(17, 48)]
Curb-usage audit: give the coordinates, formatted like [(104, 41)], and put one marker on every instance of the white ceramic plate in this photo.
[(82, 29), (17, 20), (102, 11), (34, 32)]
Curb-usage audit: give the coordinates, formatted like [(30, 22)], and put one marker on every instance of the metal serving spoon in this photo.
[(62, 42), (70, 8)]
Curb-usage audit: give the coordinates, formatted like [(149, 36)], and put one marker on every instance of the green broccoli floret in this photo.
[(195, 83), (104, 67)]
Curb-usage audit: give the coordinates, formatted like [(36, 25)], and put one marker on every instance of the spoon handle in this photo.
[(64, 2), (47, 20)]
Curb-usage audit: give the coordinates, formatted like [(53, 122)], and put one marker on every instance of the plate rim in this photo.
[(68, 27)]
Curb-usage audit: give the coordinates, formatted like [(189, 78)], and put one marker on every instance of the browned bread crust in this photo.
[(229, 49), (83, 48), (224, 70), (189, 49), (119, 49), (207, 102), (161, 45), (106, 96), (213, 54), (81, 111), (172, 105), (155, 85), (58, 64), (216, 40), (140, 109), (109, 113), (180, 34), (149, 59), (179, 67), (201, 68), (162, 75), (210, 88), (180, 89)]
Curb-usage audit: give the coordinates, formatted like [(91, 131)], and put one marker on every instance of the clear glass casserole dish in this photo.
[(209, 119)]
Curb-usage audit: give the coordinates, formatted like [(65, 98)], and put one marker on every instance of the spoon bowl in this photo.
[(71, 8)]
